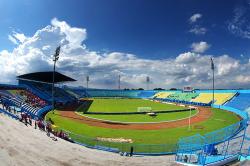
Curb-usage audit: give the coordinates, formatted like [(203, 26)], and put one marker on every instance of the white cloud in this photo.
[(200, 47), (187, 57), (34, 53), (20, 37), (239, 25), (74, 35), (17, 37), (195, 17), (243, 79), (198, 30), (12, 39), (46, 47)]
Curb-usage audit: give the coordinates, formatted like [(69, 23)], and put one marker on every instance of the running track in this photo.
[(203, 114)]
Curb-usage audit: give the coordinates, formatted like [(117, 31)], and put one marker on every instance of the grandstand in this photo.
[(220, 98), (146, 94), (113, 93), (241, 101), (25, 101), (197, 97), (40, 83), (34, 97), (162, 95), (45, 90), (183, 96)]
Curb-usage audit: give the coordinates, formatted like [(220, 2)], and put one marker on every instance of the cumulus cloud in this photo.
[(17, 38), (20, 37), (34, 53), (200, 47), (12, 39), (75, 36), (195, 17)]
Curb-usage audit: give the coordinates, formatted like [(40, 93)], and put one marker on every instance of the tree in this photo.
[(172, 89), (158, 89)]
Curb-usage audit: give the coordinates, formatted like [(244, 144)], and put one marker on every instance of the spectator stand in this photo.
[(40, 83)]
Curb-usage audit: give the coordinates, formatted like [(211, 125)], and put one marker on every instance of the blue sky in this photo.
[(150, 31)]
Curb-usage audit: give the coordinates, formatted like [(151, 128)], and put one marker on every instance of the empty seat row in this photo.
[(220, 98)]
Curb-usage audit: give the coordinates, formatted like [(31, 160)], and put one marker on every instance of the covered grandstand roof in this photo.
[(46, 77)]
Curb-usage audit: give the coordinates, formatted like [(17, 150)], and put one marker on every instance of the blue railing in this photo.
[(195, 147), (44, 110), (9, 114), (184, 102), (197, 142)]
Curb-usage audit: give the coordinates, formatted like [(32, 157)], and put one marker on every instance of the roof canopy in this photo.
[(45, 77)]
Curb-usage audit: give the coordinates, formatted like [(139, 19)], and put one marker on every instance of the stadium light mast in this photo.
[(87, 80), (212, 68), (147, 82), (55, 59)]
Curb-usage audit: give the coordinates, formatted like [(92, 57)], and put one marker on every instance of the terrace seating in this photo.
[(146, 94), (162, 95), (44, 91), (23, 99), (183, 96), (241, 102), (113, 93), (5, 93), (78, 92), (220, 98), (38, 91)]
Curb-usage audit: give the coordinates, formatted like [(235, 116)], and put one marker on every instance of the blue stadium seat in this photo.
[(241, 102)]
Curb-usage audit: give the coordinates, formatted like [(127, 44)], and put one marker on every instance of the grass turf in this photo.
[(87, 134), (128, 105), (143, 117)]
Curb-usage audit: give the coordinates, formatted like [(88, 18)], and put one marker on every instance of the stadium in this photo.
[(197, 126), (124, 83)]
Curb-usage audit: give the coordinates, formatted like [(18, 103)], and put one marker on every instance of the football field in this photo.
[(113, 105)]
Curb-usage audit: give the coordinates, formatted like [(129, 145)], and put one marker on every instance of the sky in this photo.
[(169, 41)]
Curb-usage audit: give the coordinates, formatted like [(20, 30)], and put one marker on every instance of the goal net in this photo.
[(144, 109)]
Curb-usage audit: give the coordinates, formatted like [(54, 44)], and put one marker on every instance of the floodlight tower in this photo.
[(87, 80), (212, 68), (147, 82), (55, 59)]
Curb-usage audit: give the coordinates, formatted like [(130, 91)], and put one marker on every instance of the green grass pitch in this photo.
[(131, 105), (162, 139), (160, 117), (169, 137), (128, 105)]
